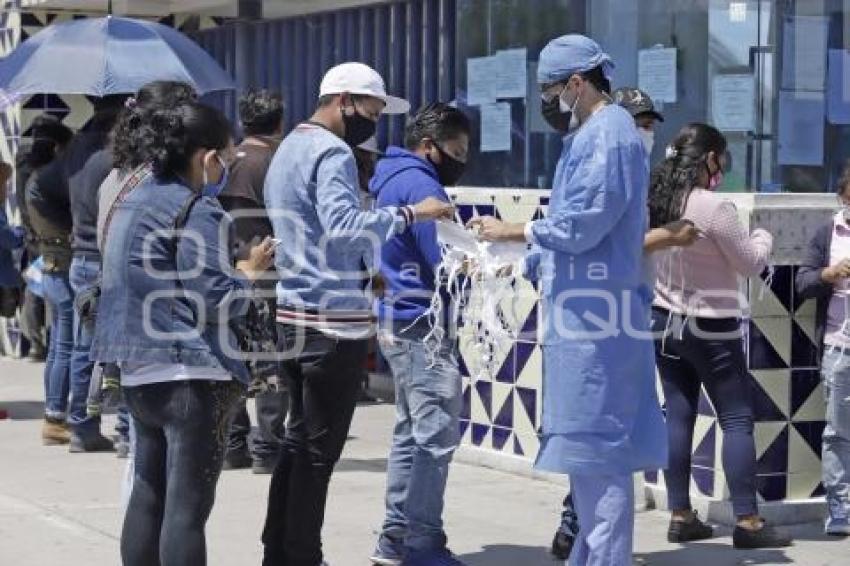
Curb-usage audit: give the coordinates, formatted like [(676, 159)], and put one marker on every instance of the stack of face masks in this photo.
[(480, 280)]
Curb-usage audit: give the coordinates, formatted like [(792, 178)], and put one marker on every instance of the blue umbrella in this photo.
[(108, 55)]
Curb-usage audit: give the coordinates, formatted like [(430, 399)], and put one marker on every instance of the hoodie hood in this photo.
[(395, 161)]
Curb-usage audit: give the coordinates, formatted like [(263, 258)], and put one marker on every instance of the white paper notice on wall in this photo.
[(496, 127), (801, 127), (657, 73), (838, 87), (511, 73), (480, 83), (804, 53), (733, 103)]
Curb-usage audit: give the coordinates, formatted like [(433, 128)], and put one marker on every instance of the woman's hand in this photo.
[(837, 272), (683, 233), (489, 229), (260, 258)]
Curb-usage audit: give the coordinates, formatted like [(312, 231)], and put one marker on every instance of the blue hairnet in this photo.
[(570, 54)]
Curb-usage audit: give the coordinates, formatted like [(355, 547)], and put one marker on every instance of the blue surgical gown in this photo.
[(600, 408)]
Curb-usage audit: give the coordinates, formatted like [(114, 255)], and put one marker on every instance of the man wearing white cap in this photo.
[(324, 316)]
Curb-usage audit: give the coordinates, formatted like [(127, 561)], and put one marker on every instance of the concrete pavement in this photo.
[(61, 508)]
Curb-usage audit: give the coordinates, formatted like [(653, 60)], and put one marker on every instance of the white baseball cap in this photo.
[(357, 78)]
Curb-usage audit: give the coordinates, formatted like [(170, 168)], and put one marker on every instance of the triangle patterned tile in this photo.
[(482, 401), (776, 383), (703, 450), (503, 404), (773, 457), (776, 331), (814, 407), (766, 433), (807, 396), (804, 350), (530, 372), (500, 437), (528, 399), (763, 301), (801, 457)]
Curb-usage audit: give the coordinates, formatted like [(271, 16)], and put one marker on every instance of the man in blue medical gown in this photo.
[(601, 417)]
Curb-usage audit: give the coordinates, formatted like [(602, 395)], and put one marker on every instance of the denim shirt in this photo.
[(313, 201), (161, 305)]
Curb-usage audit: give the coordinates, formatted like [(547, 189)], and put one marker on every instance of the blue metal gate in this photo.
[(411, 43)]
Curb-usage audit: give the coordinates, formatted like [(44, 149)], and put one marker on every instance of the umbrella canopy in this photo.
[(108, 55)]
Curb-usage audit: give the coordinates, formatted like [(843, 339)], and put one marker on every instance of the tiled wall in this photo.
[(502, 413)]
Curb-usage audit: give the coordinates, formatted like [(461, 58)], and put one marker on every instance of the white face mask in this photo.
[(648, 139), (574, 121)]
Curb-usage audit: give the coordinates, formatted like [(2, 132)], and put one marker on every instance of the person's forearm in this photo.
[(658, 239)]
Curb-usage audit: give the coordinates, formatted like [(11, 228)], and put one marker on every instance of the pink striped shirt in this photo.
[(706, 279)]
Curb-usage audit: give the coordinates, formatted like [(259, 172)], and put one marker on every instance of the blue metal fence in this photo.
[(411, 43)]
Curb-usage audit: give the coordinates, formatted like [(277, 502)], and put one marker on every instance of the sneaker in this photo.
[(765, 537), (55, 432), (388, 552), (837, 527), (238, 459), (94, 443), (688, 531), (562, 544), (441, 557)]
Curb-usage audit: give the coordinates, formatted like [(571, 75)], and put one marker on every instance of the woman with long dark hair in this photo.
[(697, 317), (169, 290)]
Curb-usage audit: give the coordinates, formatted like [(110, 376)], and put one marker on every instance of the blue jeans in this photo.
[(57, 291), (835, 453), (428, 404), (687, 360), (180, 432), (84, 274)]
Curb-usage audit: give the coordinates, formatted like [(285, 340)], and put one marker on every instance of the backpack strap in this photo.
[(132, 181)]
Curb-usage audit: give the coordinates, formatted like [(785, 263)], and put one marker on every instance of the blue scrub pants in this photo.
[(605, 505)]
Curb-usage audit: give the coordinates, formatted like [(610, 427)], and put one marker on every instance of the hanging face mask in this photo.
[(358, 128), (715, 179), (648, 139), (449, 170), (215, 189)]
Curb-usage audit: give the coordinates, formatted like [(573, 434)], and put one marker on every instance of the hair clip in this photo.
[(131, 103), (671, 152)]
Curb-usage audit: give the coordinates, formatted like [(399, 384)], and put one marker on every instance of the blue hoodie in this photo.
[(408, 260)]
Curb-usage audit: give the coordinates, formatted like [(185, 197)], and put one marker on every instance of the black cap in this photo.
[(636, 102)]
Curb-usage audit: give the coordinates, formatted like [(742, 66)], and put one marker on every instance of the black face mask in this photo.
[(358, 128), (449, 170), (560, 121)]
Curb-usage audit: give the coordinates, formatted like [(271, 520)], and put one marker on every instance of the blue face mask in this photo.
[(215, 189)]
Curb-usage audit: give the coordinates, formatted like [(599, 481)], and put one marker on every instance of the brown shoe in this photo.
[(55, 432)]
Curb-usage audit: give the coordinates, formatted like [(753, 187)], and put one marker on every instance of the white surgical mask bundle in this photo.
[(480, 280)]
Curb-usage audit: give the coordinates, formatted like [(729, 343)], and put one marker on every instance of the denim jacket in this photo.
[(159, 304), (313, 203)]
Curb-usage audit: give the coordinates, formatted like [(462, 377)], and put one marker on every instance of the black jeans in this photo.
[(686, 360), (271, 422), (324, 381), (181, 429)]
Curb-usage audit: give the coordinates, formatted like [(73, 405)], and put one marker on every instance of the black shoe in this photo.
[(94, 443), (263, 467), (237, 460), (765, 537), (687, 531), (562, 544)]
